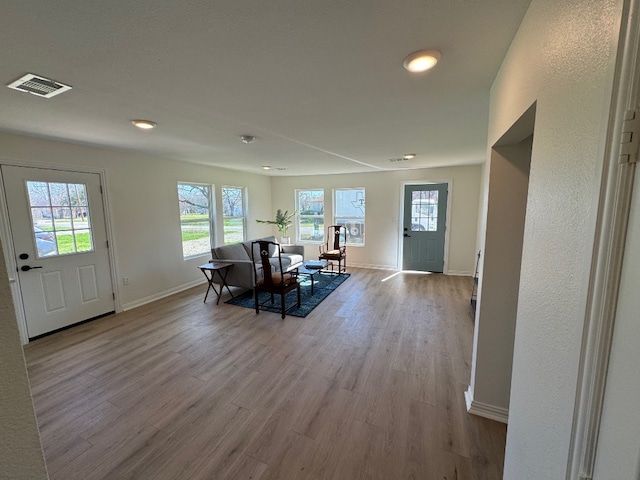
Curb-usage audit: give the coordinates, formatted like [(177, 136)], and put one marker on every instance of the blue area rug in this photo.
[(324, 284)]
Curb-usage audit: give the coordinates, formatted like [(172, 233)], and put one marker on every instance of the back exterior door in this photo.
[(425, 213), (59, 236)]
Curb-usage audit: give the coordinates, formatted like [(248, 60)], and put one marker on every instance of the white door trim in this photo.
[(449, 183), (7, 241), (606, 266)]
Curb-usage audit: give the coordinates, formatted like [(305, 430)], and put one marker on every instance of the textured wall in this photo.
[(384, 194), (20, 450), (563, 58)]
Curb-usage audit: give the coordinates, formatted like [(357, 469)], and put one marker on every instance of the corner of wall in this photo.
[(21, 453)]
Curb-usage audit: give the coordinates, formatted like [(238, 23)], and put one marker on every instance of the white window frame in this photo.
[(243, 217), (352, 230), (302, 216), (211, 219)]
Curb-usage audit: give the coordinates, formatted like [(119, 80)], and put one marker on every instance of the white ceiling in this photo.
[(320, 84)]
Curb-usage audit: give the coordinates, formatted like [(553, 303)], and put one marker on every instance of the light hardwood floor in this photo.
[(369, 385)]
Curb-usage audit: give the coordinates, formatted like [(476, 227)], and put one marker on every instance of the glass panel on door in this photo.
[(60, 218), (424, 211)]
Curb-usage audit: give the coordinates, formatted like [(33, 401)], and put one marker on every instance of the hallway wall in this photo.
[(563, 58)]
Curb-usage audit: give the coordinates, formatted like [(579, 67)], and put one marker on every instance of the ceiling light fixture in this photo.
[(266, 167), (247, 138), (409, 156), (144, 124), (421, 61)]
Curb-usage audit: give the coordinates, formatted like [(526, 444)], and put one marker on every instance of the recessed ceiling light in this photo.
[(409, 156), (247, 138), (266, 167), (144, 124), (421, 61)]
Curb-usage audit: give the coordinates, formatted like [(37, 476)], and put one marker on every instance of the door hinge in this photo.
[(107, 243), (101, 190), (630, 140), (113, 295)]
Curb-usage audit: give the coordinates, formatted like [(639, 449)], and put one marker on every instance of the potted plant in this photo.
[(282, 221)]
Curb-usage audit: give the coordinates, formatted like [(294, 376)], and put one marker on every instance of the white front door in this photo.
[(60, 241)]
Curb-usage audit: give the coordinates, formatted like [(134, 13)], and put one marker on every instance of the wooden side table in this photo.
[(221, 269)]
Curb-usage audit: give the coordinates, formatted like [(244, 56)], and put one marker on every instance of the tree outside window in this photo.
[(195, 219), (310, 219), (349, 211), (233, 211)]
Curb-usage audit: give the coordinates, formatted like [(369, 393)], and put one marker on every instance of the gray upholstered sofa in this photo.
[(241, 274)]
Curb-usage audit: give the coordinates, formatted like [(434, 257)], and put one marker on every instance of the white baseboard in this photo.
[(491, 412), (460, 273), (158, 296), (372, 267)]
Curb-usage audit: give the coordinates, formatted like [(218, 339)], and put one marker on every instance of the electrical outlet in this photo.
[(125, 280)]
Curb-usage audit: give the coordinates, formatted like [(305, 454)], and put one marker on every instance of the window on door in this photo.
[(60, 218), (234, 213), (195, 203), (349, 211), (310, 219), (424, 211)]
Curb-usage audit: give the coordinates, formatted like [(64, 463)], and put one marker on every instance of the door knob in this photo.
[(406, 235), (26, 268)]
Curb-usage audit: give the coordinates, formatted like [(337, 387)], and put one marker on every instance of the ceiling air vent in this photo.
[(40, 86)]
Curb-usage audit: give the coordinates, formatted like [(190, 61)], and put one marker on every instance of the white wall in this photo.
[(563, 58), (383, 198), (143, 201), (20, 450)]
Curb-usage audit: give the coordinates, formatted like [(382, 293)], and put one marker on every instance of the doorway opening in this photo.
[(499, 273)]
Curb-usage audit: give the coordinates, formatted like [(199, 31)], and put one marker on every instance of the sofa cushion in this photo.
[(287, 261), (275, 266), (293, 258), (234, 251)]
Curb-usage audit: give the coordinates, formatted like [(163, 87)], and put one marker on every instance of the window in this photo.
[(424, 211), (195, 219), (310, 207), (349, 211), (60, 218), (233, 211)]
